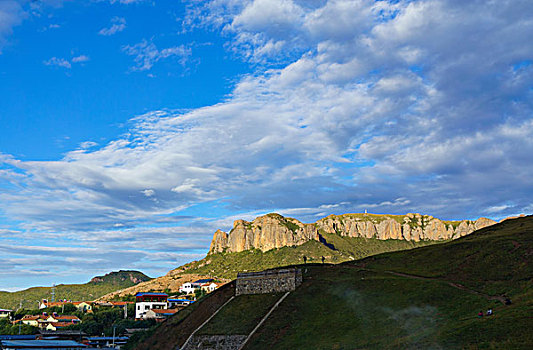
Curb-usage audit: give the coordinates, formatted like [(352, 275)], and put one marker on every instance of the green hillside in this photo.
[(425, 298), (336, 249), (97, 287)]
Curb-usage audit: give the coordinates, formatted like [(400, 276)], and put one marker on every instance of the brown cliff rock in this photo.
[(275, 231)]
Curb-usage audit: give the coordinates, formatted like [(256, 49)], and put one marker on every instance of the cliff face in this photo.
[(275, 231), (265, 232)]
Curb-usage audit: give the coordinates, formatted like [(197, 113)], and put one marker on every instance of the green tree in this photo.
[(199, 293)]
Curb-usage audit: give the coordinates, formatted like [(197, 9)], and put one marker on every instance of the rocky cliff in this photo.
[(275, 231)]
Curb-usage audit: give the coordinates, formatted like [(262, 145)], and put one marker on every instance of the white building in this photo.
[(149, 301), (209, 287), (4, 313), (190, 287)]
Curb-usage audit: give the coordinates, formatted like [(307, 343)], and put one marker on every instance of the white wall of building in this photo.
[(142, 307)]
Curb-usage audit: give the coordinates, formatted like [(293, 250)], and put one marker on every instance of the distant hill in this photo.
[(424, 298), (121, 277), (97, 287)]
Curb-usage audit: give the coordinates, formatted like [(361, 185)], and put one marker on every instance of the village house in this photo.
[(209, 287), (190, 287), (50, 322), (160, 314), (5, 313), (32, 320), (83, 306), (149, 301), (54, 326), (119, 304), (174, 303)]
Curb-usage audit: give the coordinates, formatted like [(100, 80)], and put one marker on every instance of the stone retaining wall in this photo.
[(272, 281), (215, 342)]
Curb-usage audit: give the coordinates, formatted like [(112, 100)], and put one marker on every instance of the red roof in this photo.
[(66, 317), (120, 303), (61, 324), (30, 317), (165, 311)]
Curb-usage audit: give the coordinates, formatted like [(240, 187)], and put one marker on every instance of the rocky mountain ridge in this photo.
[(272, 231)]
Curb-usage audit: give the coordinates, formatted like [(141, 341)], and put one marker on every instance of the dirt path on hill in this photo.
[(500, 298)]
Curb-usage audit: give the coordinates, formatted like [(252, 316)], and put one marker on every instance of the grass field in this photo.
[(227, 265), (430, 303), (241, 315)]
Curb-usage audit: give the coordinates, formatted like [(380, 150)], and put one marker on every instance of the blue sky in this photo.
[(131, 130)]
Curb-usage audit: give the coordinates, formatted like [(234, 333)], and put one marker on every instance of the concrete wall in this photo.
[(215, 342), (272, 281)]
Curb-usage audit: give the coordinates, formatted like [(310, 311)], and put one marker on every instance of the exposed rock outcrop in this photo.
[(275, 231), (265, 232)]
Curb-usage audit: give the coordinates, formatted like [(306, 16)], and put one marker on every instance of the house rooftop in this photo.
[(62, 332), (205, 280), (165, 311), (42, 344), (140, 294), (17, 336)]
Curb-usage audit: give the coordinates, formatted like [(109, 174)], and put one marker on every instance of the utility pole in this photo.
[(114, 336), (53, 292), (126, 310), (20, 321)]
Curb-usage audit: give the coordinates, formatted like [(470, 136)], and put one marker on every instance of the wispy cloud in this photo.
[(118, 24), (126, 2), (81, 58), (61, 62), (146, 54)]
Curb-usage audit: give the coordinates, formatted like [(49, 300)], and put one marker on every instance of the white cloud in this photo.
[(88, 144), (350, 115), (126, 2), (421, 106), (148, 193), (118, 24), (60, 62), (11, 14), (81, 58), (146, 54)]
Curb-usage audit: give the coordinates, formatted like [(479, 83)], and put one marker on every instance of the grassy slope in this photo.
[(362, 305), (75, 292), (236, 318), (226, 265)]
